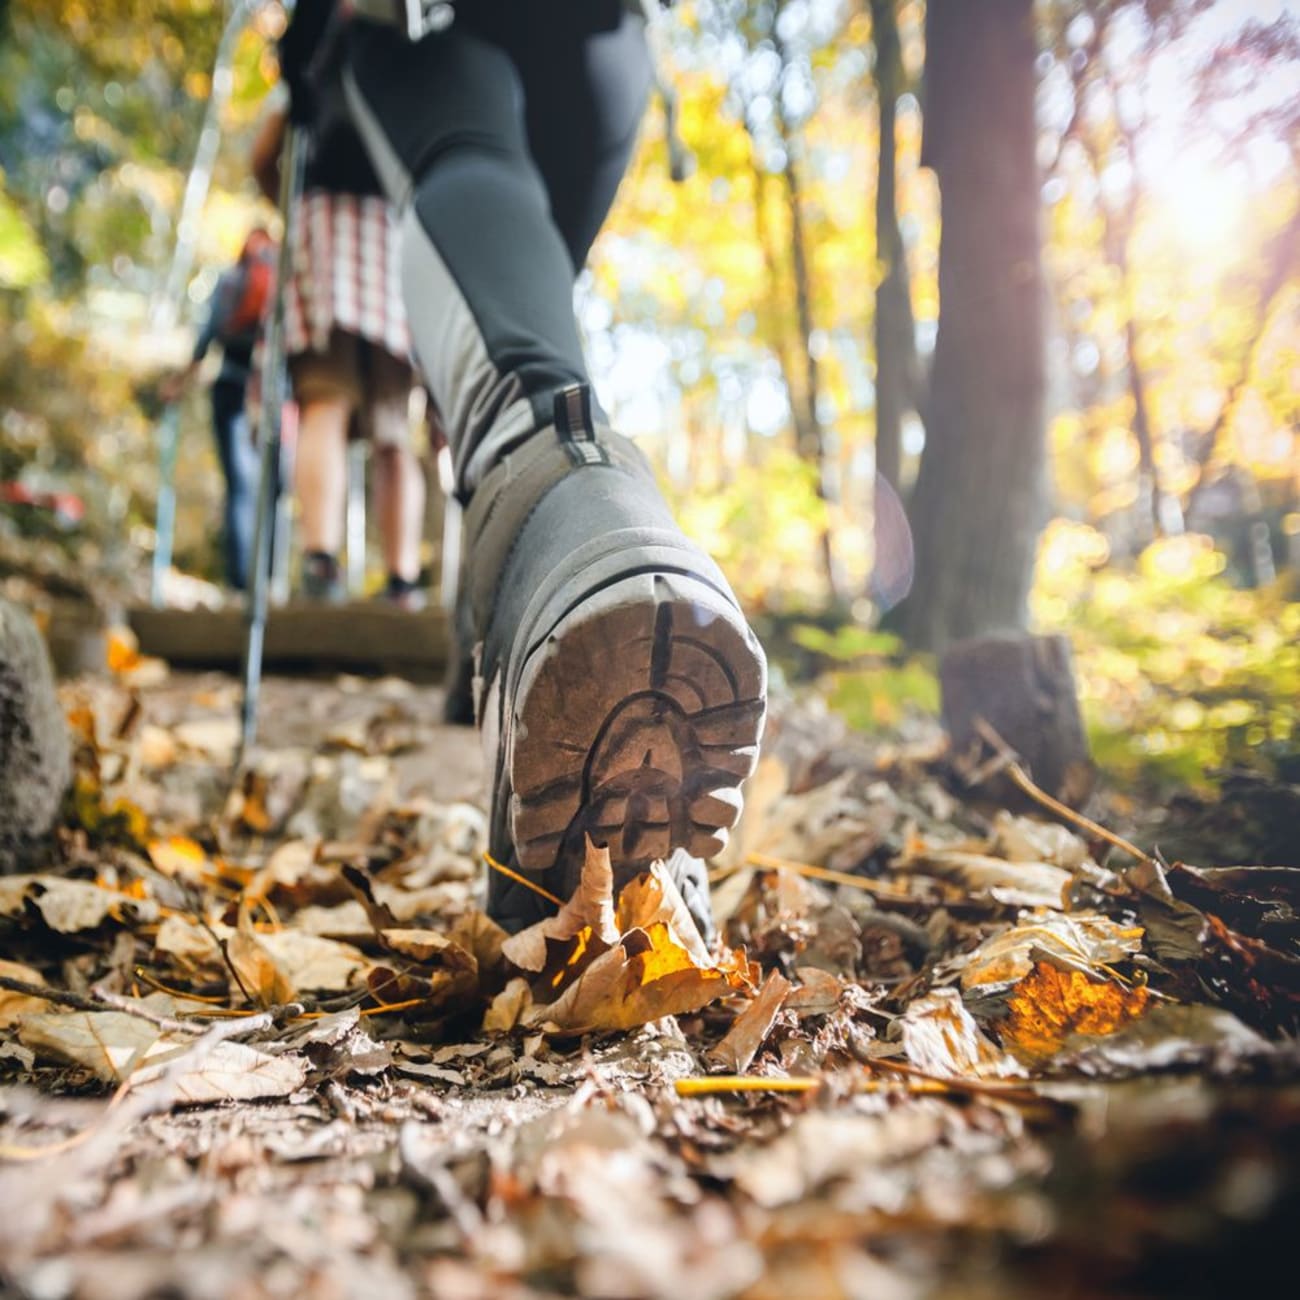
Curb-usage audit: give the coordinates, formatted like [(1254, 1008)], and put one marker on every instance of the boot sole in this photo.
[(635, 720)]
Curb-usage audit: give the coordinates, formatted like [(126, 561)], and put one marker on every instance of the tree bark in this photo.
[(979, 500), (895, 327)]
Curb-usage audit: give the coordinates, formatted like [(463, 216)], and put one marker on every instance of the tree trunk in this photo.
[(979, 500), (895, 328)]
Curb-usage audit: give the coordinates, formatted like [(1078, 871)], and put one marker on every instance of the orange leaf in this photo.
[(1049, 1005)]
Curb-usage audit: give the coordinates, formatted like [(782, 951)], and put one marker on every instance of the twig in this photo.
[(522, 880), (46, 994), (765, 862), (1011, 765), (99, 1000), (196, 910), (705, 1086)]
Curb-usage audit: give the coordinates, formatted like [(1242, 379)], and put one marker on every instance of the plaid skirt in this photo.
[(346, 274)]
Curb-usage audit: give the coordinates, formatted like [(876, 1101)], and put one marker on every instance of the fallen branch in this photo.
[(1007, 761)]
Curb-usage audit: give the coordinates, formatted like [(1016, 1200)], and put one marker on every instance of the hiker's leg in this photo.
[(320, 472), (399, 505), (230, 428), (328, 389), (586, 81), (398, 478), (623, 693), (487, 277)]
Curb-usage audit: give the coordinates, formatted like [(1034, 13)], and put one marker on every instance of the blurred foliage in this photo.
[(1180, 672), (1167, 136)]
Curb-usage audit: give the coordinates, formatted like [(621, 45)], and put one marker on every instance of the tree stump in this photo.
[(35, 760), (1024, 688)]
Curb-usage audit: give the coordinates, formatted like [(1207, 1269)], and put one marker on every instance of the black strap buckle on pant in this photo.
[(415, 18), (576, 426)]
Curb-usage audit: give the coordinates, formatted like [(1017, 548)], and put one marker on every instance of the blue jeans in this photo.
[(239, 464)]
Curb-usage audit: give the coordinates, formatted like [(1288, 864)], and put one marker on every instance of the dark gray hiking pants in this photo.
[(501, 142)]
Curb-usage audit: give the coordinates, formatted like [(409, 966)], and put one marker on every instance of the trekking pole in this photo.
[(274, 395)]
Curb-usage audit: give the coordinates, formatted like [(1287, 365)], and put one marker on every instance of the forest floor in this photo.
[(261, 1042)]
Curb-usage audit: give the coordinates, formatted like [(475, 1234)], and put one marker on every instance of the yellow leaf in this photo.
[(13, 1005), (1049, 1005), (178, 855)]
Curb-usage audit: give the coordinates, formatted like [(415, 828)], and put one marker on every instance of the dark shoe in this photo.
[(625, 692), (406, 595), (322, 579)]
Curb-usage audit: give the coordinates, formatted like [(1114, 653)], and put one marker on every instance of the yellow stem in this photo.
[(768, 863), (521, 880)]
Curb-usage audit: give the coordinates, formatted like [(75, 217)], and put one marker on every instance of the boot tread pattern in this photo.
[(635, 722)]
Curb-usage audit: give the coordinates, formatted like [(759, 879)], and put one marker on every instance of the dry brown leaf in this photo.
[(941, 1038), (227, 1071), (189, 942), (312, 964), (70, 906), (735, 1052), (155, 747), (508, 1007), (1049, 1005), (108, 1043), (428, 946), (1018, 884), (595, 977), (478, 934), (591, 909), (647, 975), (214, 739), (1079, 941), (817, 993), (260, 977), (15, 1005)]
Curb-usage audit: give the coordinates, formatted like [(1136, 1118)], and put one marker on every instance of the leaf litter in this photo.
[(265, 1041)]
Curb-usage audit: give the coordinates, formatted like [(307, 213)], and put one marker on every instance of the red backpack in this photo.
[(249, 295)]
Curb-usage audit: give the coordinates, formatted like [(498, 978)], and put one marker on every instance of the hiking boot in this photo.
[(322, 579), (622, 694)]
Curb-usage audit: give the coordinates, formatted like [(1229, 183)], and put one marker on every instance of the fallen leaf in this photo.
[(735, 1052), (215, 739), (71, 906), (15, 1005), (941, 1038), (312, 964), (227, 1071), (590, 910), (508, 1007), (1169, 1036), (260, 978), (178, 855), (1072, 941), (1016, 884), (1050, 1004), (429, 946), (818, 992), (108, 1043)]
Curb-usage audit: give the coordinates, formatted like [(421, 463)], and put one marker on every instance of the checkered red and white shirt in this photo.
[(346, 273)]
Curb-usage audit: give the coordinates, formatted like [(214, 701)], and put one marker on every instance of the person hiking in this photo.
[(620, 691), (349, 361), (234, 318)]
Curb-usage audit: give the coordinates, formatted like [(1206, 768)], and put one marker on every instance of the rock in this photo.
[(1023, 686), (35, 759)]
